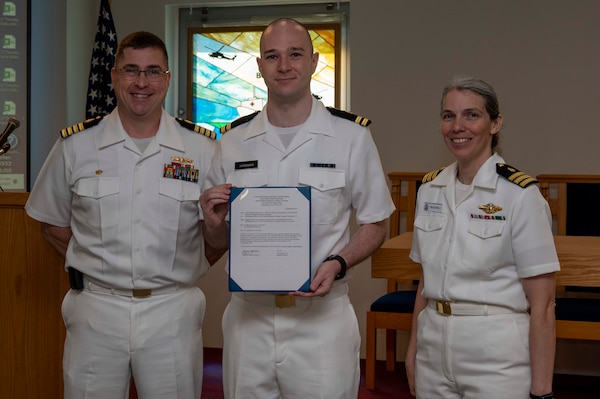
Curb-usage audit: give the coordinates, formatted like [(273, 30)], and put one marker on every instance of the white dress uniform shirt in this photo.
[(132, 227), (334, 156), (469, 255)]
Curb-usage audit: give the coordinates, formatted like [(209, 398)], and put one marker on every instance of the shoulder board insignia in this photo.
[(196, 128), (350, 116), (71, 130), (432, 175), (515, 176), (237, 122)]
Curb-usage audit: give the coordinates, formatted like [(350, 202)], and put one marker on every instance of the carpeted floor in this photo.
[(393, 384)]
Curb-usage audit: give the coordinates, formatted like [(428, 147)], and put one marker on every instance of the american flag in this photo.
[(100, 95)]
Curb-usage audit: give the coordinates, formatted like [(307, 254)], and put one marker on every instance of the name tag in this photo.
[(246, 165), (433, 207), (322, 165)]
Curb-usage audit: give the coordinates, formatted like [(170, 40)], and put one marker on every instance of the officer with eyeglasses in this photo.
[(118, 197), (132, 72)]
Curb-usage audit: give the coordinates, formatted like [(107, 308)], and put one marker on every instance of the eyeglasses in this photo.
[(153, 74)]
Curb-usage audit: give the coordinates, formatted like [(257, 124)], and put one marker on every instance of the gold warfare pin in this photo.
[(490, 208)]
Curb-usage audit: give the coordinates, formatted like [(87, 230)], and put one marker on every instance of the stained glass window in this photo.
[(225, 81)]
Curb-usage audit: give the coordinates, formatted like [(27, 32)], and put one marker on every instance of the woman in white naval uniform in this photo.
[(483, 323)]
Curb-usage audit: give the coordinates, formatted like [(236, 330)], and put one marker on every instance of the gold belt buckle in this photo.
[(443, 307), (139, 293), (285, 301)]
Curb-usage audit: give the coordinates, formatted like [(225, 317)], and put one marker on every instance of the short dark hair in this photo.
[(141, 40)]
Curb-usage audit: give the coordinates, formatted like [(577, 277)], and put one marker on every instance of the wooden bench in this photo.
[(574, 213), (578, 313)]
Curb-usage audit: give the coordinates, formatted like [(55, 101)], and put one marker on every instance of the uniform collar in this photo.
[(318, 122), (486, 176), (113, 131), (167, 135)]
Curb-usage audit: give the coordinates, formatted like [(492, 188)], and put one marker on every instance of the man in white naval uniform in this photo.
[(118, 196), (301, 344)]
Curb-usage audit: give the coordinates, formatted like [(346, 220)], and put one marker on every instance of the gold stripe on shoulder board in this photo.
[(514, 175), (349, 116), (196, 128), (78, 127), (239, 121), (432, 175)]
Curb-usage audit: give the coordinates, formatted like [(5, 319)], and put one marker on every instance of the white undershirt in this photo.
[(462, 191), (142, 144), (286, 134)]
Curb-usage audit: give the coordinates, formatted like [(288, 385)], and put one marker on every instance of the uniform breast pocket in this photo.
[(429, 229), (97, 199), (326, 196), (178, 204), (484, 243)]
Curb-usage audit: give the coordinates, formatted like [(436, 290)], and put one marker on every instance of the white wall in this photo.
[(541, 55)]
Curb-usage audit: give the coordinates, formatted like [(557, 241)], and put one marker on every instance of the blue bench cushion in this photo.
[(578, 309), (395, 302)]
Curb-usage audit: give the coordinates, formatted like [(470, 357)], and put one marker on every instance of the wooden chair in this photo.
[(393, 311), (572, 200)]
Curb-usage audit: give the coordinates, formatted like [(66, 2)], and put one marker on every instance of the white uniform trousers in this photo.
[(110, 338), (472, 357), (307, 351)]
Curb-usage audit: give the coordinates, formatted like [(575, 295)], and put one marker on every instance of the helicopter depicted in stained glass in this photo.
[(219, 54)]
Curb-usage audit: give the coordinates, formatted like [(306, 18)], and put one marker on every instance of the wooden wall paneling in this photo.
[(32, 286)]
